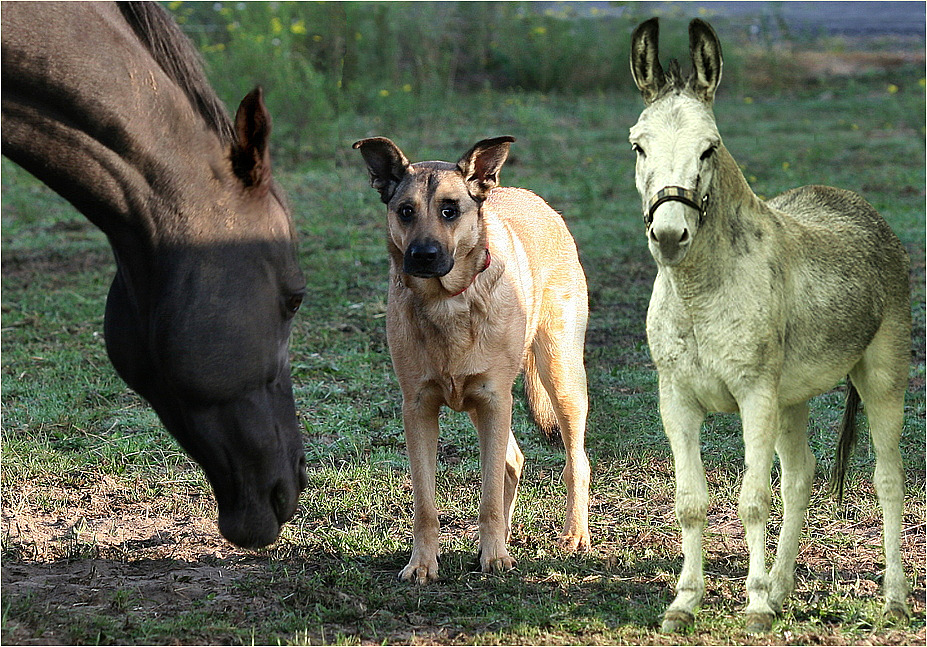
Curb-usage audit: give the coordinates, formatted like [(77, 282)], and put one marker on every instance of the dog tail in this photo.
[(539, 402)]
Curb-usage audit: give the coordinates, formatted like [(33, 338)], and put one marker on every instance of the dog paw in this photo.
[(497, 563), (574, 542), (418, 573)]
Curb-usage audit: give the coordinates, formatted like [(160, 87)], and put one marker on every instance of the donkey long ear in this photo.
[(480, 165), (250, 153), (645, 61), (705, 49), (386, 164)]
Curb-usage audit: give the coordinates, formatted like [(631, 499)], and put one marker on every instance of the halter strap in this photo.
[(484, 268), (676, 194)]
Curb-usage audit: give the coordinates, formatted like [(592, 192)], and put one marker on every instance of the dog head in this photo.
[(433, 208)]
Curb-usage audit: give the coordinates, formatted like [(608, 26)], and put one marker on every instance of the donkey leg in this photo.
[(493, 420), (420, 419), (797, 475), (760, 417), (682, 421), (883, 399), (559, 361)]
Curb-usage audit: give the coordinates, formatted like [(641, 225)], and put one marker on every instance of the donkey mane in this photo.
[(180, 60), (676, 80)]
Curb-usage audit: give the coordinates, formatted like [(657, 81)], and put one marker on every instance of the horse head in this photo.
[(675, 138), (202, 333), (199, 316)]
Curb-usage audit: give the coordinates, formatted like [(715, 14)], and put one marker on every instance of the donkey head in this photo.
[(675, 138)]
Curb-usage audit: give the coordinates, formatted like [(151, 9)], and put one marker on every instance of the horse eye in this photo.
[(708, 153), (449, 213), (637, 149), (406, 213), (293, 302)]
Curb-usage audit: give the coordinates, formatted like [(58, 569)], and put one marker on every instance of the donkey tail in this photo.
[(846, 442), (539, 402)]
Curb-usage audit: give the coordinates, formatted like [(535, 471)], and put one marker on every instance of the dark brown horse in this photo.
[(107, 104)]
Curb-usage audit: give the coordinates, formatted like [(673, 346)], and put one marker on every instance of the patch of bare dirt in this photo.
[(85, 554)]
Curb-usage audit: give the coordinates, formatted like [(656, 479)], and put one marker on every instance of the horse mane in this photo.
[(180, 60)]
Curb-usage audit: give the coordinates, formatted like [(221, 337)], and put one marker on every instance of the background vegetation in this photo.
[(107, 534)]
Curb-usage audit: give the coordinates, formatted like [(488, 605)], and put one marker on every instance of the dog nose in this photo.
[(425, 252)]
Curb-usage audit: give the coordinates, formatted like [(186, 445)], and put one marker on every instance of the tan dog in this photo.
[(484, 282)]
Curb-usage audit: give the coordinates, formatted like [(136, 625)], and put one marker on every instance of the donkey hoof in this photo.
[(896, 613), (676, 621), (759, 623)]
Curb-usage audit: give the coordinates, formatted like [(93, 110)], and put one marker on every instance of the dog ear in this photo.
[(645, 60), (480, 165), (386, 164), (705, 49)]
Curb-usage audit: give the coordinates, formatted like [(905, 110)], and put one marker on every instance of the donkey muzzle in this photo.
[(670, 236), (676, 194)]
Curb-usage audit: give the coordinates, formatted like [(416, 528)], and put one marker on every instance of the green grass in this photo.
[(70, 425)]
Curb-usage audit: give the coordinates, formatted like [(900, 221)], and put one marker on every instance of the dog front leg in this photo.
[(420, 420), (493, 421)]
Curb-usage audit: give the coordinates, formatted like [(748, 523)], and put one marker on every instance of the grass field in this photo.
[(108, 529)]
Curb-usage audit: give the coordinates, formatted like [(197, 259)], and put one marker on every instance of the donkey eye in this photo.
[(708, 153), (406, 213), (449, 213)]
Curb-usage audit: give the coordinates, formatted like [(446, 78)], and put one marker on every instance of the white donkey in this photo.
[(757, 307)]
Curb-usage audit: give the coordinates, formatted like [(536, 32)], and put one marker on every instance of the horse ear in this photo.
[(480, 165), (705, 49), (385, 162), (251, 154), (645, 61)]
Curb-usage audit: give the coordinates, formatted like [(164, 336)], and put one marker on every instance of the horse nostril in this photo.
[(653, 235), (280, 501), (301, 471), (685, 236)]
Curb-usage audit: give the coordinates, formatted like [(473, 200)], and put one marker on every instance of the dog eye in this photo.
[(449, 213), (406, 213)]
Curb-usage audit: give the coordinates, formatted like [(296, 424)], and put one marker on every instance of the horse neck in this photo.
[(718, 245), (95, 119)]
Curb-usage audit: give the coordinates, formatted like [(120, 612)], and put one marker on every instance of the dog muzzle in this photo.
[(677, 194)]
